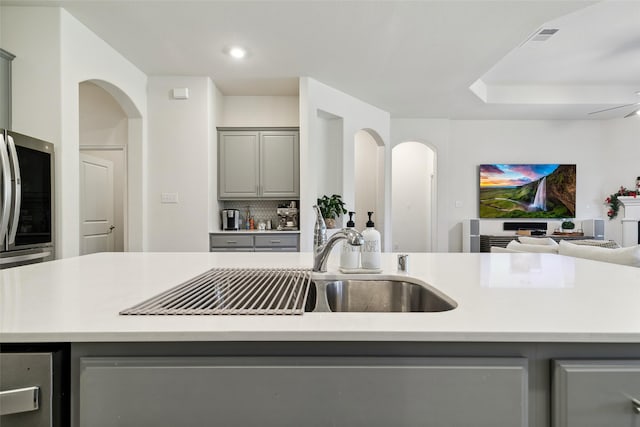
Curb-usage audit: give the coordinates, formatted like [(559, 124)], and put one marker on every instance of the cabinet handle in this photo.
[(636, 405), (19, 400), (231, 241), (276, 241)]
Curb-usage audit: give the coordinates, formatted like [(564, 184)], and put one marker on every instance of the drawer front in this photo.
[(230, 241), (277, 249), (269, 391), (231, 250), (596, 393), (275, 241)]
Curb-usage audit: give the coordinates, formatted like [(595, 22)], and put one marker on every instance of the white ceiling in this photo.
[(411, 58)]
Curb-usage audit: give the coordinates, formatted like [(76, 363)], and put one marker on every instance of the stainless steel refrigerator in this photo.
[(27, 200)]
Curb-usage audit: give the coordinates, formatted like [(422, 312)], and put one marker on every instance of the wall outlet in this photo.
[(168, 197)]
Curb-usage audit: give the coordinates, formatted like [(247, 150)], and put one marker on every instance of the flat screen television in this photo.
[(527, 191)]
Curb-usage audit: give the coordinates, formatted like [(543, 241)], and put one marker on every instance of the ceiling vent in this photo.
[(541, 35)]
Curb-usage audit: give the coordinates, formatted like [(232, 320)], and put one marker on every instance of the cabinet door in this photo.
[(596, 393), (279, 164), (309, 391), (238, 164)]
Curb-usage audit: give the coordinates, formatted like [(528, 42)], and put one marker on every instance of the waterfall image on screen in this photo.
[(527, 191)]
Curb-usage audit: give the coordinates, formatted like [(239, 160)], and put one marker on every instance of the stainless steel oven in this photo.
[(26, 193)]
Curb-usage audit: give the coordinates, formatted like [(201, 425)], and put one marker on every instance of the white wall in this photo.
[(620, 166), (102, 120), (367, 173), (434, 133), (54, 53), (216, 110), (260, 111), (412, 172), (33, 35), (180, 141), (605, 153), (355, 115)]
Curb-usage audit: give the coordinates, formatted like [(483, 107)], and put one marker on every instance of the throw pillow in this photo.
[(538, 241), (514, 245), (625, 256)]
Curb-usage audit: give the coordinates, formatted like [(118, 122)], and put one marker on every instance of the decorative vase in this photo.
[(330, 222)]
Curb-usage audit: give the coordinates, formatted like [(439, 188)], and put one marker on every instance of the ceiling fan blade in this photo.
[(614, 108), (633, 113)]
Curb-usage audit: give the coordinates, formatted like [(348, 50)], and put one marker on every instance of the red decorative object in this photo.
[(613, 202)]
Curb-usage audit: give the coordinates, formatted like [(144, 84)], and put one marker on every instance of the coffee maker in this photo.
[(287, 218), (230, 219)]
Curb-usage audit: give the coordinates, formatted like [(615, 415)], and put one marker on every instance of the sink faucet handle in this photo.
[(403, 262)]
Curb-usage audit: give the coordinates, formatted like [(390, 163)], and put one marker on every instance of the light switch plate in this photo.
[(169, 198)]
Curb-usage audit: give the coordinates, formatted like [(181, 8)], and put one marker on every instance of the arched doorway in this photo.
[(369, 166), (107, 120), (413, 197)]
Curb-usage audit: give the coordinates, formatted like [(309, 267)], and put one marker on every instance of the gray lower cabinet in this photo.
[(302, 391), (596, 393), (256, 164), (268, 242)]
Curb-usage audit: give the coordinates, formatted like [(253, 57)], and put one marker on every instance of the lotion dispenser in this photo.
[(371, 247), (350, 254)]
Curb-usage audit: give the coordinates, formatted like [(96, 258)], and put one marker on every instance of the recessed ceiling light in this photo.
[(237, 52)]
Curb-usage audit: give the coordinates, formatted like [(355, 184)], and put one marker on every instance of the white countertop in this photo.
[(501, 298)]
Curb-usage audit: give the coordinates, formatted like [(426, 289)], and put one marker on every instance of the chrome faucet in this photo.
[(322, 247)]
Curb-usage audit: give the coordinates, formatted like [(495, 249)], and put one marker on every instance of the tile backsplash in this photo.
[(261, 210)]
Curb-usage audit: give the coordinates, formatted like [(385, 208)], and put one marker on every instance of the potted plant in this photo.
[(567, 224), (331, 208)]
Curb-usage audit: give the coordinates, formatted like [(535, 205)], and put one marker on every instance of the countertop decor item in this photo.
[(613, 202), (331, 208)]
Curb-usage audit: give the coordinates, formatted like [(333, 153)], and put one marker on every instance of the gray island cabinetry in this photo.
[(591, 393), (436, 384), (258, 164), (312, 391)]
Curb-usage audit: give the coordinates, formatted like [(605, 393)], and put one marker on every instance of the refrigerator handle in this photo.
[(17, 187), (5, 172)]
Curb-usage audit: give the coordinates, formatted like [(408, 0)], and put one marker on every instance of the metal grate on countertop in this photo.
[(222, 291)]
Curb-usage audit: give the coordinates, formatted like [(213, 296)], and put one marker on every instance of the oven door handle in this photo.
[(19, 400), (17, 187), (5, 170)]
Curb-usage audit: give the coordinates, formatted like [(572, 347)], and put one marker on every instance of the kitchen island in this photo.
[(528, 330)]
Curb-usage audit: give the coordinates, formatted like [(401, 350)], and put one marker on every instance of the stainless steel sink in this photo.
[(379, 296)]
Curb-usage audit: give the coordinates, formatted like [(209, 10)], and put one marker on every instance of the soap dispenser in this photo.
[(350, 254), (371, 247)]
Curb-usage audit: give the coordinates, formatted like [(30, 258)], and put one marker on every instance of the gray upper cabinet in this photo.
[(5, 89), (258, 164)]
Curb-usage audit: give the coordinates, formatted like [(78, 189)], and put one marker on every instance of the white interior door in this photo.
[(96, 205)]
